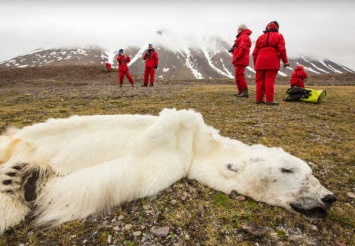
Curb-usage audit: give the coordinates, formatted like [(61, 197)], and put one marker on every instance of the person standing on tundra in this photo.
[(123, 60), (269, 48), (241, 58), (150, 56)]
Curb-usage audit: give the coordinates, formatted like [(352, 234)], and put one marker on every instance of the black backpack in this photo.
[(296, 93)]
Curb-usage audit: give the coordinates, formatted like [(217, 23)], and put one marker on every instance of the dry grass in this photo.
[(323, 135)]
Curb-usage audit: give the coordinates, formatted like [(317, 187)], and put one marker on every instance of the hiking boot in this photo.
[(272, 103), (243, 94), (261, 102), (144, 85), (120, 85)]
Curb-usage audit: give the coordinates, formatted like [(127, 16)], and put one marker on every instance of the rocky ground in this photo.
[(189, 213)]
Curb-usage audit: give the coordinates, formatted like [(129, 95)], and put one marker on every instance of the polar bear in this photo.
[(67, 169)]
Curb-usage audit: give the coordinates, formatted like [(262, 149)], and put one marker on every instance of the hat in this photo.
[(242, 27), (274, 25), (121, 51), (150, 46)]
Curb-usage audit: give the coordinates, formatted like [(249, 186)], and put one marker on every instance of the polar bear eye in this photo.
[(285, 170)]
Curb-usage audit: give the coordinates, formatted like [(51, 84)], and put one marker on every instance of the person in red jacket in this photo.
[(241, 58), (269, 48), (108, 66), (123, 60), (298, 77), (150, 56)]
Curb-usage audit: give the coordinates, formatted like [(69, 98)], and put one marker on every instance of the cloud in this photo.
[(323, 29)]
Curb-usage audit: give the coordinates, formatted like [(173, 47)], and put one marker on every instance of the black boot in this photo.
[(244, 93)]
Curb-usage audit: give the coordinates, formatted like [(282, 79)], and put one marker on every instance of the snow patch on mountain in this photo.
[(179, 58), (189, 63), (138, 55)]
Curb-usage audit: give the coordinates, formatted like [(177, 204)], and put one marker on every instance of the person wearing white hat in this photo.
[(241, 59), (150, 56)]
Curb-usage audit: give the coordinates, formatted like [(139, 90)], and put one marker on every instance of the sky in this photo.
[(323, 29)]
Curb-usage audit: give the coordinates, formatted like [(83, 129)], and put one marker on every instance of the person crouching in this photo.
[(298, 77)]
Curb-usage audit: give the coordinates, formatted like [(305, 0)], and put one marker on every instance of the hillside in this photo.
[(210, 60), (87, 75), (321, 134)]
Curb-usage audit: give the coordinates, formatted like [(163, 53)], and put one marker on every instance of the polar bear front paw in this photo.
[(10, 178)]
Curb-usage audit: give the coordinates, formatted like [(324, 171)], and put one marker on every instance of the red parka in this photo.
[(123, 60), (151, 58), (241, 48), (269, 49), (298, 76)]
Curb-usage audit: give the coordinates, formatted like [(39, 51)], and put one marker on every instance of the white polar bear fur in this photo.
[(93, 163)]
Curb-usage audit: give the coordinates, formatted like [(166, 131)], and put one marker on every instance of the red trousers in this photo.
[(265, 82), (149, 72), (240, 80), (121, 75)]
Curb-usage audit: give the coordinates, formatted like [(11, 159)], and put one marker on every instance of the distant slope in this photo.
[(210, 60)]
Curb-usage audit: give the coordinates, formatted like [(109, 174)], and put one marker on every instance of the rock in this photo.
[(94, 235), (160, 232), (254, 229), (137, 233), (109, 239), (146, 207), (127, 227), (314, 228), (240, 198), (350, 195), (337, 243), (233, 194), (298, 239)]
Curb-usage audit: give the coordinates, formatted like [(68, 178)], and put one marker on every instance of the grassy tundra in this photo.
[(323, 135)]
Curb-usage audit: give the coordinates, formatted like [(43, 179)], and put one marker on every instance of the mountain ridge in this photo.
[(209, 61)]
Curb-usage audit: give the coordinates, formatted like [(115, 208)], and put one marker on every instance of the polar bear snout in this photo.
[(312, 209), (329, 200)]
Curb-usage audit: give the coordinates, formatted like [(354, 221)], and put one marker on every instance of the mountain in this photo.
[(210, 60)]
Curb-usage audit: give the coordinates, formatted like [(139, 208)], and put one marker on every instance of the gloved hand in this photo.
[(286, 64), (156, 67)]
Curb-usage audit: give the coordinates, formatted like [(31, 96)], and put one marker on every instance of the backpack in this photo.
[(304, 95)]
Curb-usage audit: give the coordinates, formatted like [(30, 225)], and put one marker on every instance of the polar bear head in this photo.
[(275, 177)]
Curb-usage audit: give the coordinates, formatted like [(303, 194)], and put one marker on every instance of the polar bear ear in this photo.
[(230, 169)]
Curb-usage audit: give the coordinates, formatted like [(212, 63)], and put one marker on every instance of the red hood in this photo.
[(245, 31), (299, 67), (271, 27)]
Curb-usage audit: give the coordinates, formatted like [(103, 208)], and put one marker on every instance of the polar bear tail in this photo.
[(84, 192)]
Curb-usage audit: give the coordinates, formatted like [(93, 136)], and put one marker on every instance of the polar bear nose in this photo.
[(329, 199)]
